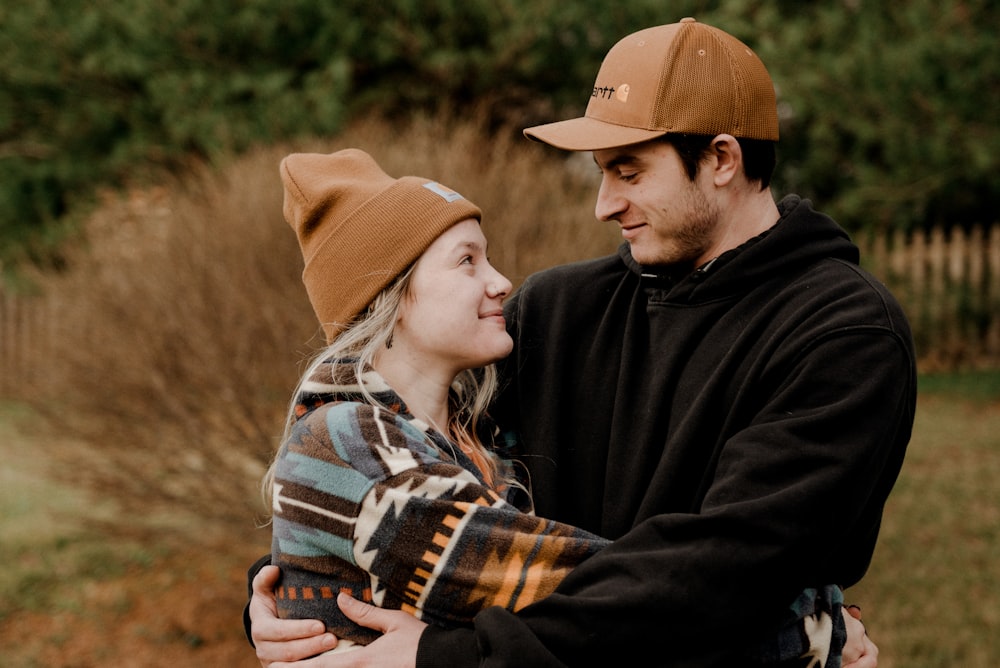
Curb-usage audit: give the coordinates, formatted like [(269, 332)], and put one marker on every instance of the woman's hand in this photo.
[(859, 651)]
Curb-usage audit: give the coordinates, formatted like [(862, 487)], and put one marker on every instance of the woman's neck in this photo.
[(424, 391), (424, 388)]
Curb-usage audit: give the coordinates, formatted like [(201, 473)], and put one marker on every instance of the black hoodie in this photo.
[(735, 430)]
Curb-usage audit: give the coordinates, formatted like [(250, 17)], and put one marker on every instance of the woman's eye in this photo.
[(466, 260)]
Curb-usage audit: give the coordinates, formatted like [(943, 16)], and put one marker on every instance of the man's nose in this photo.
[(609, 203)]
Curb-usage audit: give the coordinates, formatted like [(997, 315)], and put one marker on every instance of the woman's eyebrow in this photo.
[(469, 246)]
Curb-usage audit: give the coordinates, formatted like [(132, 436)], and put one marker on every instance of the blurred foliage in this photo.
[(890, 110)]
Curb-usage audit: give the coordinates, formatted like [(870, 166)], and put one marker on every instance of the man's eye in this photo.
[(466, 260), (628, 176)]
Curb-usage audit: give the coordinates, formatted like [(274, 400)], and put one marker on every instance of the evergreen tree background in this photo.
[(890, 111)]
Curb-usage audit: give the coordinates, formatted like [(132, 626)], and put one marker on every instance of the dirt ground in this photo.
[(181, 610), (100, 588)]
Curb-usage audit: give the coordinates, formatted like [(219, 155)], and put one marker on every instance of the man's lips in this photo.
[(631, 229)]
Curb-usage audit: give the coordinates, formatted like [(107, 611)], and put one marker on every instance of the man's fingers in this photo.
[(275, 630), (380, 619), (294, 650), (871, 652), (859, 651), (279, 639), (265, 580), (397, 648), (364, 614)]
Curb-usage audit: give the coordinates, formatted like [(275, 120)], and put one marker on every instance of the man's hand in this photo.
[(860, 651), (397, 648), (288, 643), (282, 639)]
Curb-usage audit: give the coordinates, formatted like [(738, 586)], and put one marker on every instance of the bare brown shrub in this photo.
[(178, 331)]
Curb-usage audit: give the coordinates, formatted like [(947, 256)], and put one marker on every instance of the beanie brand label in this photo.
[(443, 192)]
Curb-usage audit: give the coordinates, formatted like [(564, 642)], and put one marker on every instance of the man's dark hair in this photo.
[(759, 156)]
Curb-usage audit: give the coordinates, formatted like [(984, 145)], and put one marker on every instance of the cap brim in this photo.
[(589, 134)]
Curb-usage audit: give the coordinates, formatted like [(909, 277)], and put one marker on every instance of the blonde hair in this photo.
[(472, 392)]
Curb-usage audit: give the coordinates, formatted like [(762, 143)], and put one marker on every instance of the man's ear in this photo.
[(728, 159)]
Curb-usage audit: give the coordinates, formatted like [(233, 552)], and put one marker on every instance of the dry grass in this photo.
[(177, 334), (179, 327)]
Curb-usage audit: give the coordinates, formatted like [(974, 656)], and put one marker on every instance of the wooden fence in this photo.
[(948, 283), (949, 286), (22, 329)]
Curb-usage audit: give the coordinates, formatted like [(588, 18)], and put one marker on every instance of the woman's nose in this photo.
[(500, 286)]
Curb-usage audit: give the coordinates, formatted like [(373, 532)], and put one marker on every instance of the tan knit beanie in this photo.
[(359, 228)]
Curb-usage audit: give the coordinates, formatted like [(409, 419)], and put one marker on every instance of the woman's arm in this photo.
[(362, 492)]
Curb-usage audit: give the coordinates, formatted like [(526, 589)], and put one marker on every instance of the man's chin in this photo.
[(645, 255)]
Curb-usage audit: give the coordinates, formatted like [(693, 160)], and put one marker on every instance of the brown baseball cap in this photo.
[(684, 77)]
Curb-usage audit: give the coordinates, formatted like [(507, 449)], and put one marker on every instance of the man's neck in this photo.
[(745, 215)]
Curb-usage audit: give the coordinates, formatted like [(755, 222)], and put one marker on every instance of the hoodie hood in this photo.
[(778, 250)]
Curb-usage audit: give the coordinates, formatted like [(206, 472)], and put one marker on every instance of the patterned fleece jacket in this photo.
[(370, 501)]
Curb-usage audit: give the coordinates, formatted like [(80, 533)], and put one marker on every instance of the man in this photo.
[(729, 397)]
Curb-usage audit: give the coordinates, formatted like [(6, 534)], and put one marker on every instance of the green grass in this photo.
[(73, 593), (932, 596), (44, 544), (976, 386)]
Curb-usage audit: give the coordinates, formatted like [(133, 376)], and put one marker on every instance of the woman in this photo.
[(383, 487), (387, 485)]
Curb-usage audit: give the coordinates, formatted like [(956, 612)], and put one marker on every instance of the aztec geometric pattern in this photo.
[(370, 501)]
